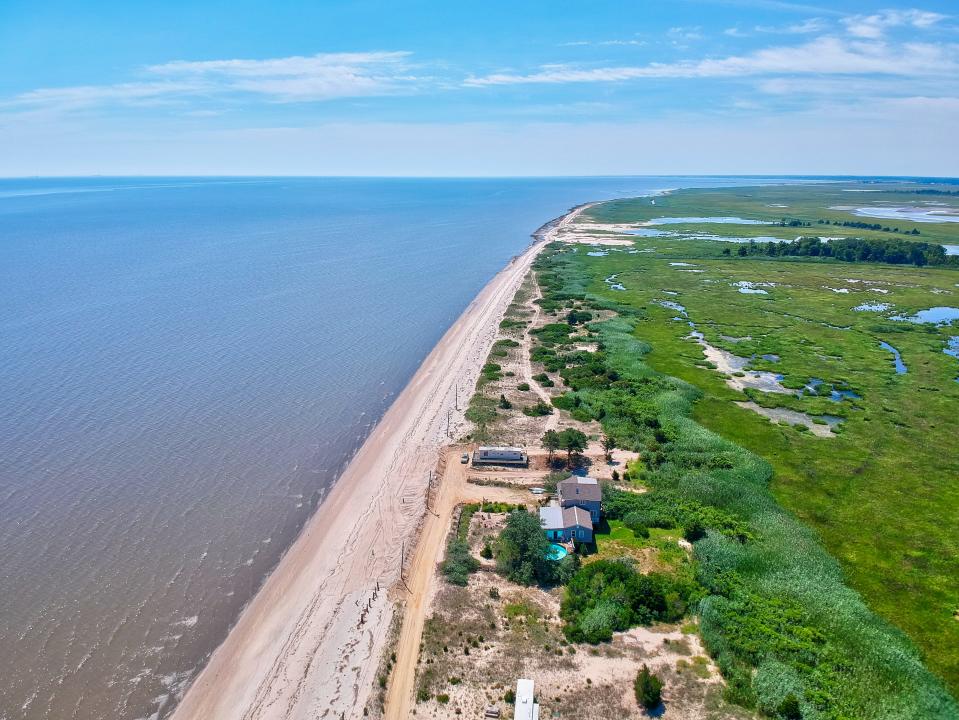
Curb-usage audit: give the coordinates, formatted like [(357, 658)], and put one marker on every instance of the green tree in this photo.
[(573, 442), (551, 442), (649, 689), (609, 445), (521, 553)]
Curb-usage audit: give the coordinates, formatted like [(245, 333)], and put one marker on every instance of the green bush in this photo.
[(459, 563), (491, 371), (648, 688), (538, 410), (634, 521), (523, 387), (607, 596)]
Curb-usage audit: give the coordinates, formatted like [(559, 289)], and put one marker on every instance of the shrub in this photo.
[(523, 387), (648, 688), (487, 552), (504, 403), (606, 596), (537, 410), (634, 521), (459, 563)]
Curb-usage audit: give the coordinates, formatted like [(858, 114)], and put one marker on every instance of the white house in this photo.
[(526, 708), (500, 456)]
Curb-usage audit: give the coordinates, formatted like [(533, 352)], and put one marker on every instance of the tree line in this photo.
[(885, 250)]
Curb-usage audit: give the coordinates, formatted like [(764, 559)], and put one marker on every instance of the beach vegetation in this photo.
[(648, 689), (459, 562), (543, 379), (538, 409)]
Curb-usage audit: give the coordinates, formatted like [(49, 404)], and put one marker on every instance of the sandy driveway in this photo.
[(453, 490)]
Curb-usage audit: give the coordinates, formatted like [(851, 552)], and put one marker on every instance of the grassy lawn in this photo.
[(659, 552), (883, 494)]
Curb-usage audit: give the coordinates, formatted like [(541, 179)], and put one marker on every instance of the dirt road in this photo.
[(453, 490)]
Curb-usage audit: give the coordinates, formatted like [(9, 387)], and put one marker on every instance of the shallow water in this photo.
[(940, 315), (952, 348), (897, 358), (187, 365), (912, 214)]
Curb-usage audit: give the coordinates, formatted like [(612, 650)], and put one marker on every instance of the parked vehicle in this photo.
[(465, 458)]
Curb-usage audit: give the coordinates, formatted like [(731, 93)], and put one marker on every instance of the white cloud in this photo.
[(301, 78), (874, 26), (325, 76), (812, 25), (82, 96), (826, 55), (584, 43), (805, 27), (685, 33)]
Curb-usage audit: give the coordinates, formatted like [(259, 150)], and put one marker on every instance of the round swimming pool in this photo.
[(556, 552)]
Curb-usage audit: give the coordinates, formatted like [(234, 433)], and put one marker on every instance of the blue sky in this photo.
[(492, 88)]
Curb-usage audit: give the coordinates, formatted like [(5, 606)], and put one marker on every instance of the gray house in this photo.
[(565, 524), (582, 492)]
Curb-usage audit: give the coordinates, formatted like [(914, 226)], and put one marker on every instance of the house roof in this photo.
[(575, 488), (551, 517), (576, 516)]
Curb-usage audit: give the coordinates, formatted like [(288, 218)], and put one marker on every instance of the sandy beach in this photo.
[(308, 644)]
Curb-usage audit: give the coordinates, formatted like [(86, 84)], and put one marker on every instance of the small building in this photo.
[(566, 524), (500, 456), (583, 492), (526, 707)]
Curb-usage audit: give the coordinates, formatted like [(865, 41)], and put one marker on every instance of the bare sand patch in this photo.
[(792, 417)]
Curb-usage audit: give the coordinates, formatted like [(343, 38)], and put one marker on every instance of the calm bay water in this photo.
[(185, 367)]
